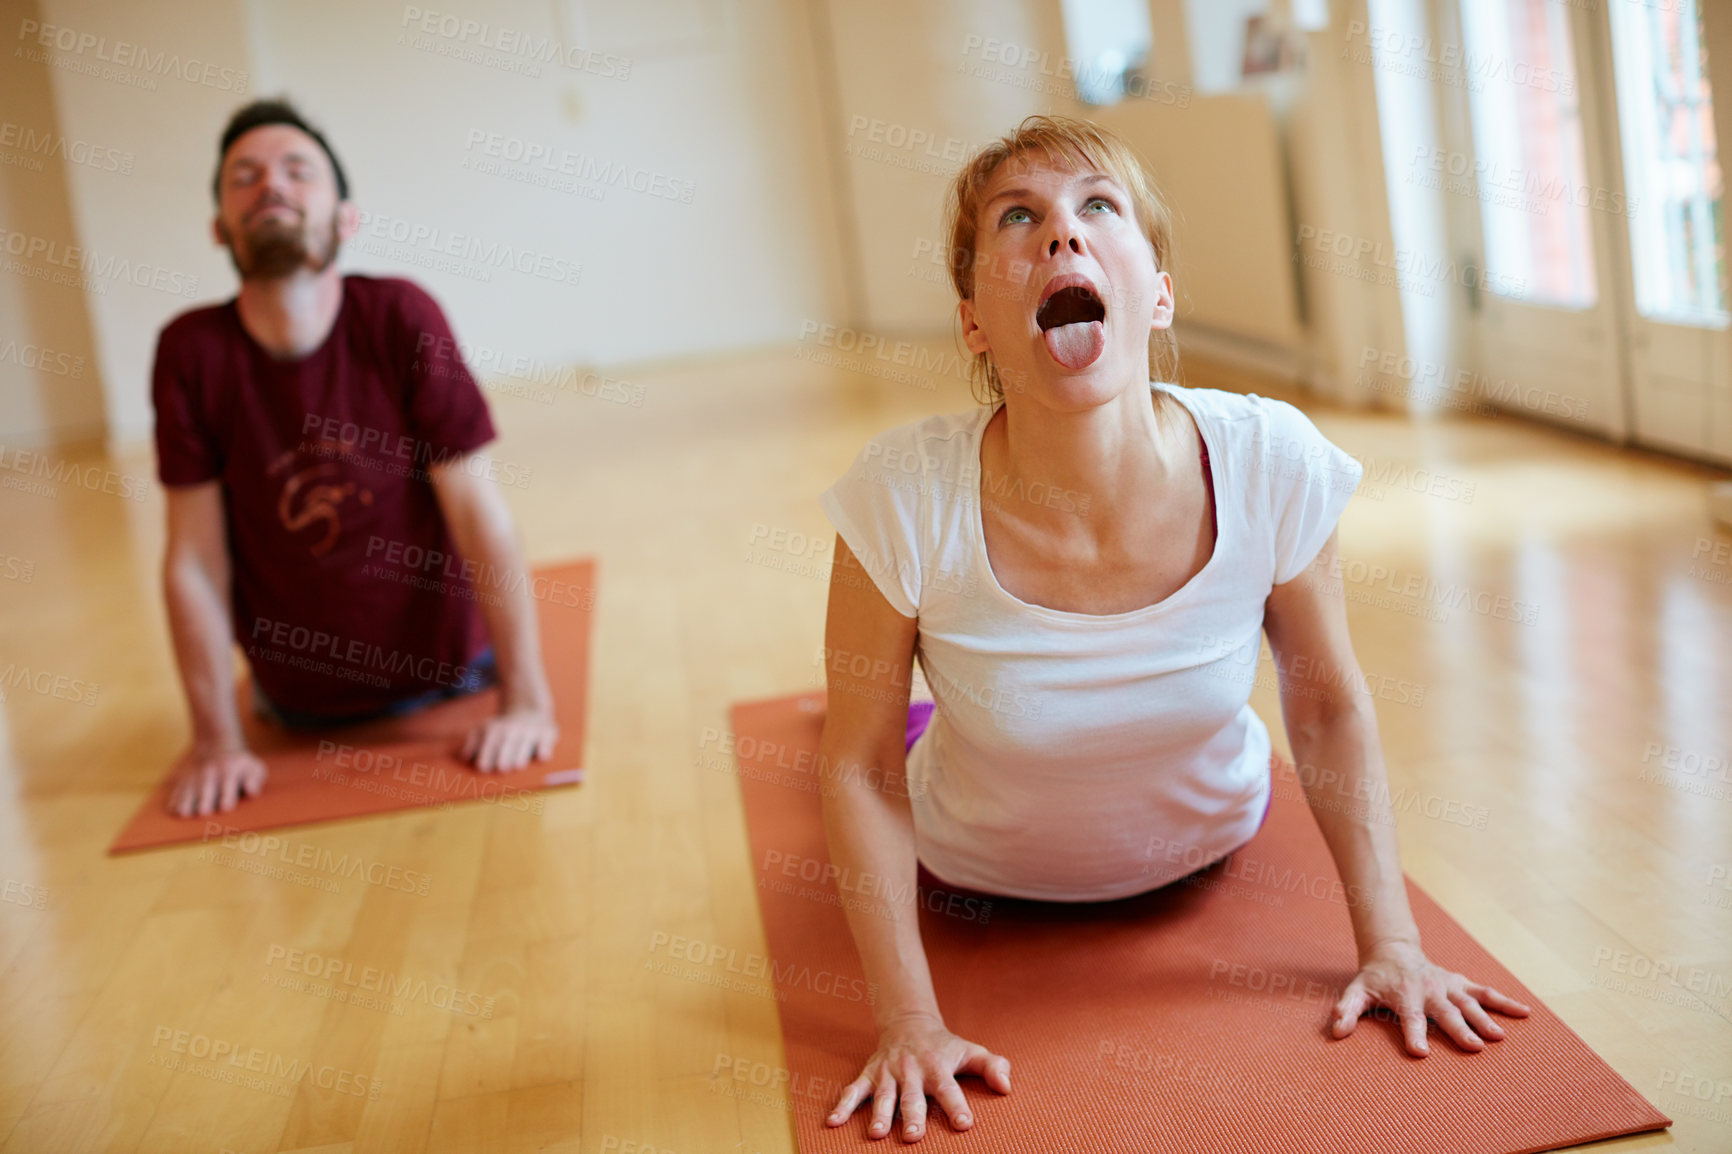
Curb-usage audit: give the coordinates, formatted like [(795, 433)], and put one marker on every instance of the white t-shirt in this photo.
[(1075, 756)]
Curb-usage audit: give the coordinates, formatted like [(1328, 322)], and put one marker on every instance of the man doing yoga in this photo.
[(329, 503)]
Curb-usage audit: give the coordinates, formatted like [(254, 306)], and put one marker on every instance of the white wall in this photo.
[(719, 97), (50, 389), (909, 108)]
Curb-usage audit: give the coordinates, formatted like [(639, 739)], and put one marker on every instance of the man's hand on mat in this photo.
[(511, 740), (916, 1057), (1398, 976), (208, 779)]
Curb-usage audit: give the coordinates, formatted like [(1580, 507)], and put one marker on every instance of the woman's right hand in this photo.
[(917, 1056)]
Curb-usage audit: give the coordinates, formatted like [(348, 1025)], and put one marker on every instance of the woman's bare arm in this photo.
[(871, 831), (1332, 727)]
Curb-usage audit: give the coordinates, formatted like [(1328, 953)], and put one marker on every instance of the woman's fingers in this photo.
[(1502, 1003), (1448, 1017), (913, 1097), (852, 1095), (883, 1105), (984, 1064), (1353, 1003), (955, 1104), (1476, 1015), (1412, 1012), (231, 787), (209, 784)]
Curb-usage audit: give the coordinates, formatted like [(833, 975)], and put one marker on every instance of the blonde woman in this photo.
[(1084, 568)]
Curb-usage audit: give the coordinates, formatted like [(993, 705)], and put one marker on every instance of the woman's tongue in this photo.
[(1076, 346)]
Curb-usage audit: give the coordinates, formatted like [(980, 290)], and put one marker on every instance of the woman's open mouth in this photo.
[(1072, 323)]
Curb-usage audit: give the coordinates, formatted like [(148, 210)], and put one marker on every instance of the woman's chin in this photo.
[(1059, 387)]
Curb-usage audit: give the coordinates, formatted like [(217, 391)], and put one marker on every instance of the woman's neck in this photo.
[(1109, 454)]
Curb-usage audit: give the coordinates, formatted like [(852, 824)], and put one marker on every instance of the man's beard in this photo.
[(277, 250)]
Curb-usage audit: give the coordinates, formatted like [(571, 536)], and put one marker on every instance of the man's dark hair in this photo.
[(260, 113)]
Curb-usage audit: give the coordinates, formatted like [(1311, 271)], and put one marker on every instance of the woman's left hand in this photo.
[(1398, 976)]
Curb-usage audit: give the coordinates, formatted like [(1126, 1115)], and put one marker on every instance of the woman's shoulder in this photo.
[(937, 437), (1246, 421), (1222, 405)]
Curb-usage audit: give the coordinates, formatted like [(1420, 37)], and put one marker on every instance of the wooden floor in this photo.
[(1602, 878)]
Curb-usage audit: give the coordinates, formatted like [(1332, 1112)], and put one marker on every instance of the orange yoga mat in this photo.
[(402, 763), (1194, 1018)]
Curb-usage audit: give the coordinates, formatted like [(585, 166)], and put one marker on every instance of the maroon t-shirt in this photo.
[(348, 593)]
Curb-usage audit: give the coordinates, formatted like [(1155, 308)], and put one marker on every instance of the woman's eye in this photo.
[(1015, 216), (1101, 202)]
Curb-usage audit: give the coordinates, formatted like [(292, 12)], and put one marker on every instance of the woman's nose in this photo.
[(1064, 233)]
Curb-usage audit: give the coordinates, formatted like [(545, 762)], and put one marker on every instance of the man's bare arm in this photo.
[(216, 769), (482, 530)]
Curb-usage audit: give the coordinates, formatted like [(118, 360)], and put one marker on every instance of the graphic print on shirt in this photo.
[(314, 496)]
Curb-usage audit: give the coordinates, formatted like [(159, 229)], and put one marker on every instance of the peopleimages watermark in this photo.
[(995, 274), (306, 855), (93, 270), (794, 767), (1358, 796), (355, 656), (1506, 185), (446, 357), (498, 45), (36, 145), (1303, 675), (1269, 883), (98, 56), (386, 774), (902, 146), (1664, 980), (736, 973), (224, 1060), (1415, 593), (1363, 258), (862, 891), (46, 683), (1023, 66), (765, 1085), (26, 894), (451, 251), (563, 170), (399, 453), (1439, 385), (1719, 877), (1207, 1074), (1689, 771), (360, 983), (1447, 62), (614, 1144), (1700, 1088), (16, 569), (1711, 560), (45, 473), (41, 358), (424, 567), (904, 361)]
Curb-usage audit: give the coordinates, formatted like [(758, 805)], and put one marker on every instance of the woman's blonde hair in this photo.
[(1073, 144)]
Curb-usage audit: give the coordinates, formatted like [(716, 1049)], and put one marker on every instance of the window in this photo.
[(1517, 63), (1672, 179)]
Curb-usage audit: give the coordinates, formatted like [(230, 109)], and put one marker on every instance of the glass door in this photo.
[(1548, 329), (1681, 378)]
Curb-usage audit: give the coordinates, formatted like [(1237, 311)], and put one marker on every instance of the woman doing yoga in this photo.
[(1084, 569)]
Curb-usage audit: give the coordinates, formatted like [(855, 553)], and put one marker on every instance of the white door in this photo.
[(1547, 324), (1681, 346), (1598, 202)]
